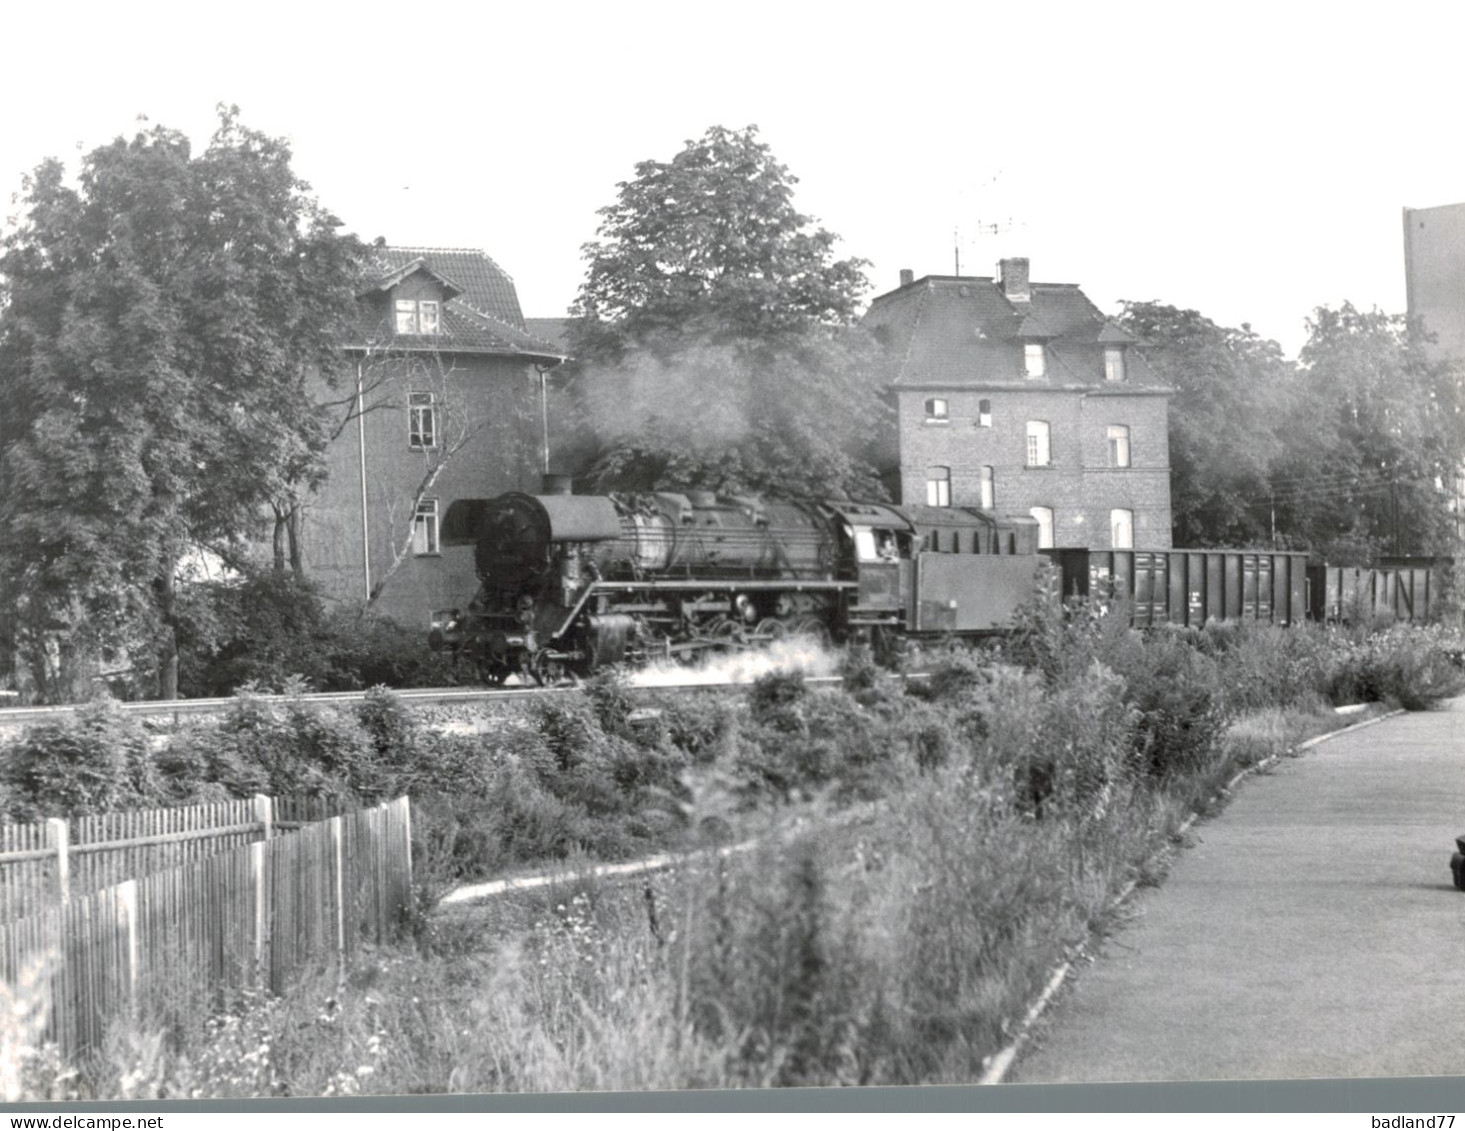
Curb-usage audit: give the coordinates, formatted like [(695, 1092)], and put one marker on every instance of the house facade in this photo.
[(1434, 282), (447, 400), (1022, 398)]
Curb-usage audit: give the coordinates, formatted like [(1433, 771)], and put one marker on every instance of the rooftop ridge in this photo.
[(424, 249)]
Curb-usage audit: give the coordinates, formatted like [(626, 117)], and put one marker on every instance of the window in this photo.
[(417, 316), (424, 528), (936, 409), (984, 414), (1044, 515), (1039, 453), (938, 486), (1118, 445), (1033, 361), (421, 420), (1121, 529), (1113, 363), (989, 489)]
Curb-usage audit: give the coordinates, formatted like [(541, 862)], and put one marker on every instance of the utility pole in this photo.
[(1394, 506)]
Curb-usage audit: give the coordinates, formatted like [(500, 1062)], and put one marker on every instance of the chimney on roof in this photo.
[(1013, 275), (907, 276)]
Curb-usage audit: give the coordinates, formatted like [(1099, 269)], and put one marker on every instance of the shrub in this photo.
[(94, 762), (1181, 714), (775, 698), (390, 726), (1404, 664), (265, 628), (702, 729)]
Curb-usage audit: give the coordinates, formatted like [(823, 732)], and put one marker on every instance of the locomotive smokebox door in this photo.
[(1457, 863)]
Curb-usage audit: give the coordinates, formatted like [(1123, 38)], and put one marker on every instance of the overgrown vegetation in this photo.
[(1017, 791)]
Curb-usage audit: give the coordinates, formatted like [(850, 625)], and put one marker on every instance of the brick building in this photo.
[(448, 402), (1434, 281), (1022, 398)]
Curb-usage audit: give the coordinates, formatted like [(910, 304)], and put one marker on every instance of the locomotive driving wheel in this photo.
[(493, 673), (771, 629), (727, 632), (547, 672), (813, 629)]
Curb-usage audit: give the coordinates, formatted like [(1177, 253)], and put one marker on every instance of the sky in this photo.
[(1250, 161)]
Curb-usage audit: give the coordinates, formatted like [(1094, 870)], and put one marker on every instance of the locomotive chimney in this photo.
[(907, 276), (1013, 275), (555, 485)]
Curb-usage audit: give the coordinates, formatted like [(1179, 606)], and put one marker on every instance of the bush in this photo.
[(1179, 699), (775, 699), (92, 763), (1403, 664), (265, 629), (284, 750), (389, 725)]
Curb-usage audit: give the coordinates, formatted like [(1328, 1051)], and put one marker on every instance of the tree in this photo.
[(161, 320), (1373, 440), (713, 333), (1230, 387)]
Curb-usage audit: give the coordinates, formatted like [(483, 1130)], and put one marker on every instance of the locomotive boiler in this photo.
[(570, 584)]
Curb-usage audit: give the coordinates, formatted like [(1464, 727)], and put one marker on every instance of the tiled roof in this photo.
[(379, 282), (487, 287), (481, 314), (956, 331)]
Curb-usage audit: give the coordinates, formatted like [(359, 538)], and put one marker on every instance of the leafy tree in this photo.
[(713, 333), (1373, 439), (161, 320), (1230, 386)]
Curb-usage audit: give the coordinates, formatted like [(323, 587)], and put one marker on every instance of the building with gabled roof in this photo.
[(449, 401), (1023, 398)]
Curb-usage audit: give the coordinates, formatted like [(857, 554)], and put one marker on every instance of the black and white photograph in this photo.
[(732, 558)]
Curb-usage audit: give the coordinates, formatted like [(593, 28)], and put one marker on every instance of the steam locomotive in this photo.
[(570, 584)]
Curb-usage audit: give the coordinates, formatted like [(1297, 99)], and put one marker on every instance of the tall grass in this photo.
[(898, 942)]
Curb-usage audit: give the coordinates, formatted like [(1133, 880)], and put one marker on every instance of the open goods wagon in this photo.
[(1191, 587), (1407, 590)]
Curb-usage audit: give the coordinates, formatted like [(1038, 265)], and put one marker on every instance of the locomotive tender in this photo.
[(570, 584)]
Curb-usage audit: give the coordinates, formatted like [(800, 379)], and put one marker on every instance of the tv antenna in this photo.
[(988, 226)]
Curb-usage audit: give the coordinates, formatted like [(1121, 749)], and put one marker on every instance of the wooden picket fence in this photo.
[(255, 916), (48, 861)]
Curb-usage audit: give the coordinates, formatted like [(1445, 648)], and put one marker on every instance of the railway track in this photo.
[(14, 719)]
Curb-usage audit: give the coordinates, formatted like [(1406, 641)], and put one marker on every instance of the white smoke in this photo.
[(806, 656)]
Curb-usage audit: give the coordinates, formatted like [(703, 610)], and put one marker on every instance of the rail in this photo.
[(12, 718)]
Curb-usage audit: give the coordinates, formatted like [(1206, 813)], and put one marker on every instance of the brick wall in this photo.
[(1079, 485), (496, 398)]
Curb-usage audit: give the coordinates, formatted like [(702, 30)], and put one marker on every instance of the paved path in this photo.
[(1313, 930)]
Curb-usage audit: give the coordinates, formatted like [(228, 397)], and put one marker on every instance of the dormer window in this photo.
[(937, 410), (1034, 361), (1113, 363), (417, 316)]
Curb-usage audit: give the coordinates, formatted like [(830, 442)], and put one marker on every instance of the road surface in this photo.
[(1313, 930)]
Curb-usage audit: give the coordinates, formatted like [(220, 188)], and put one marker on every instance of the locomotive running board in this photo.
[(690, 586)]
